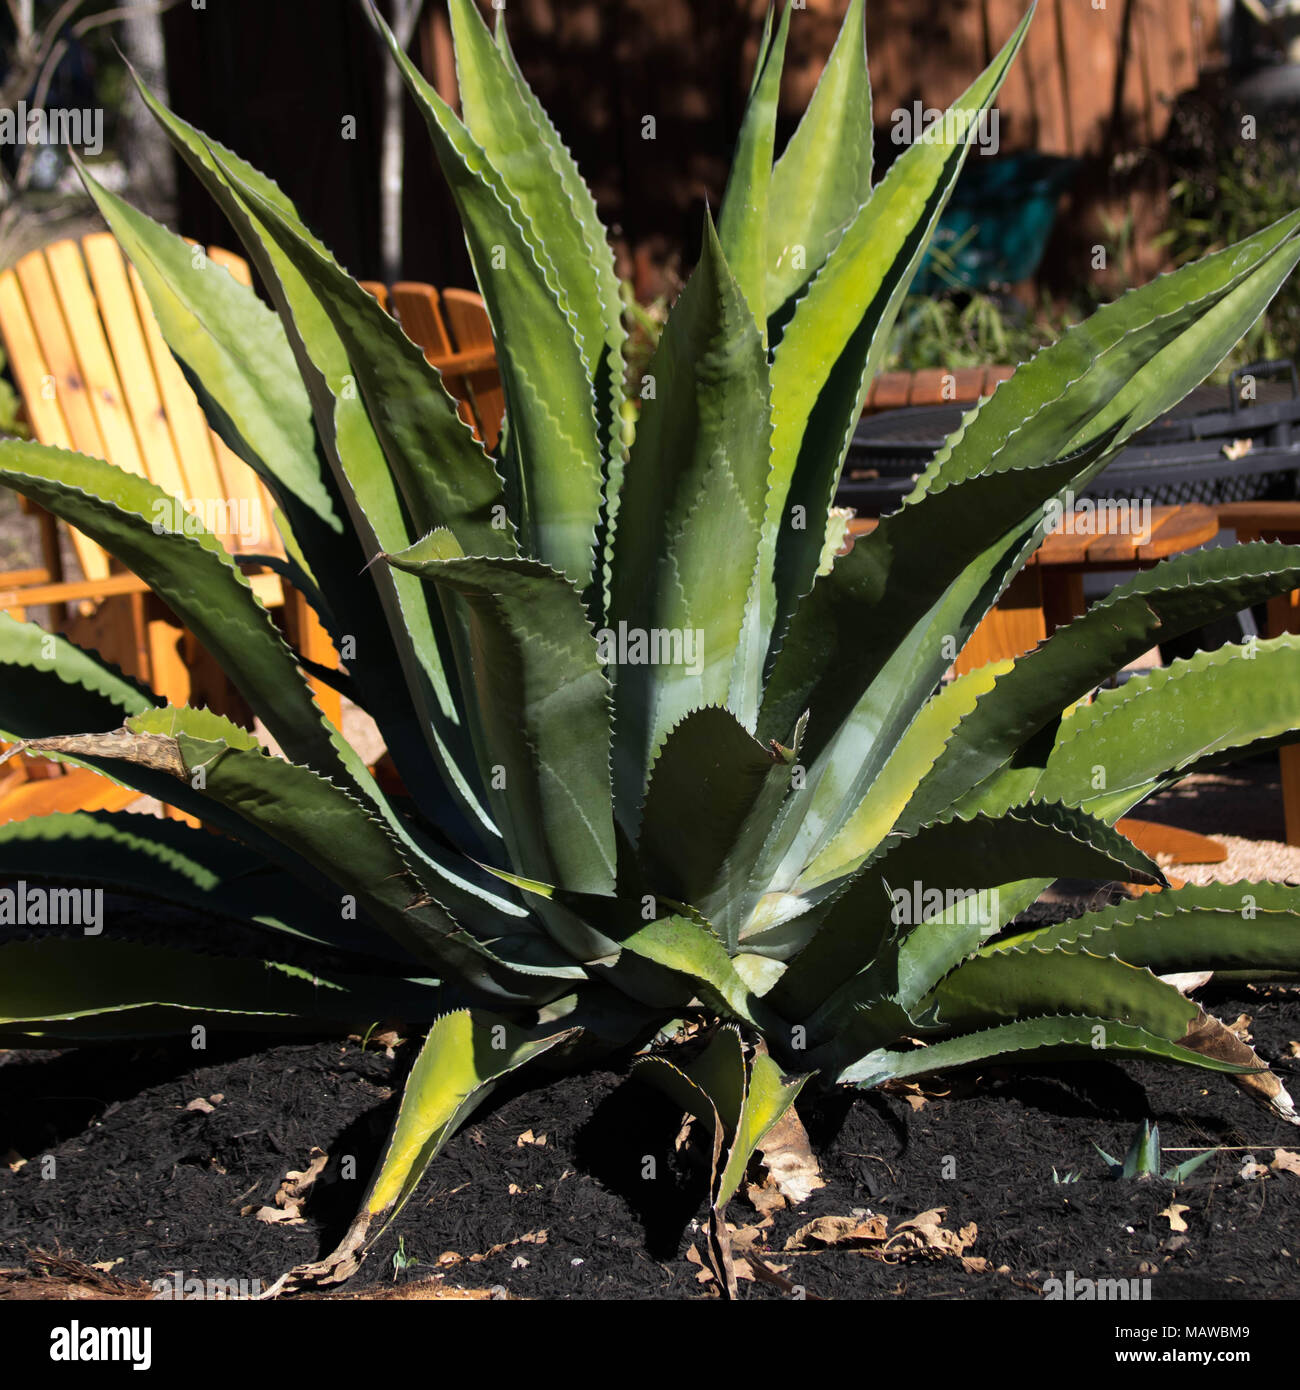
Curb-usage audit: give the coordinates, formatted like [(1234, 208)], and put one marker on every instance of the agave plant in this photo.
[(666, 751)]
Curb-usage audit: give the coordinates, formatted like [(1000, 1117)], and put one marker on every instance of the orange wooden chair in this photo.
[(95, 375), (456, 335)]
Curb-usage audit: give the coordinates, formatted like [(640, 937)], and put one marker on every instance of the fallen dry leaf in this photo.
[(788, 1157), (927, 1232), (1284, 1161), (1241, 1026), (975, 1264), (106, 1266), (923, 1234), (1252, 1171), (838, 1230), (528, 1137), (1293, 1049), (13, 1160), (388, 1039), (912, 1095), (292, 1194), (1238, 449), (704, 1274), (204, 1107), (532, 1238), (1174, 1212), (765, 1198)]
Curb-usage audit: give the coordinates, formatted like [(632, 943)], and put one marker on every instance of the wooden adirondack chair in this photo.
[(95, 375)]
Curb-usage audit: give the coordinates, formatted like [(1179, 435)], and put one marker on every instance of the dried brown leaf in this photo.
[(838, 1230), (1174, 1212), (789, 1159)]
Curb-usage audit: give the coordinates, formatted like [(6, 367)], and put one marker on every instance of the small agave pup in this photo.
[(593, 848)]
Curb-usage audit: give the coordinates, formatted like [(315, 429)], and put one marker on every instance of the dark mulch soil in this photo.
[(141, 1179)]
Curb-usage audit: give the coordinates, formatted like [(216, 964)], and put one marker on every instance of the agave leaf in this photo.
[(173, 862), (975, 491), (838, 335), (1144, 1158), (426, 738), (867, 924), (767, 1098), (1173, 597), (1054, 1036), (823, 177), (720, 1072), (738, 1102), (1165, 336), (553, 456), (542, 706), (1125, 365), (46, 981), (695, 484), (445, 478), (1213, 926), (1157, 728), (132, 519), (323, 824), (872, 641), (695, 952), (233, 352), (712, 795), (508, 122), (1187, 1167), (1027, 981), (462, 1060), (609, 370), (743, 223), (908, 764), (51, 685)]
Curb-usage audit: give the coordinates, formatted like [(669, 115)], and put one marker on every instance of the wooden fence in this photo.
[(1095, 78)]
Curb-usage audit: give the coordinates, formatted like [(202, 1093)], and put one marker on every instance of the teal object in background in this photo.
[(995, 228)]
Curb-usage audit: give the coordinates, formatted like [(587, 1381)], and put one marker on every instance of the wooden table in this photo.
[(1274, 521), (1048, 593)]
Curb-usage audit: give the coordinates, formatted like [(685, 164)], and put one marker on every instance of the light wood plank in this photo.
[(117, 307), (58, 364), (104, 390), (241, 483), (467, 317), (193, 439)]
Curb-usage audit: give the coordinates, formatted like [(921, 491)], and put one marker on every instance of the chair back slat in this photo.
[(117, 309), (103, 388), (75, 316), (471, 328), (58, 404), (190, 431)]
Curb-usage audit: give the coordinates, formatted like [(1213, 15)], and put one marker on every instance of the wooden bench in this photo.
[(96, 376), (933, 386), (1274, 521)]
